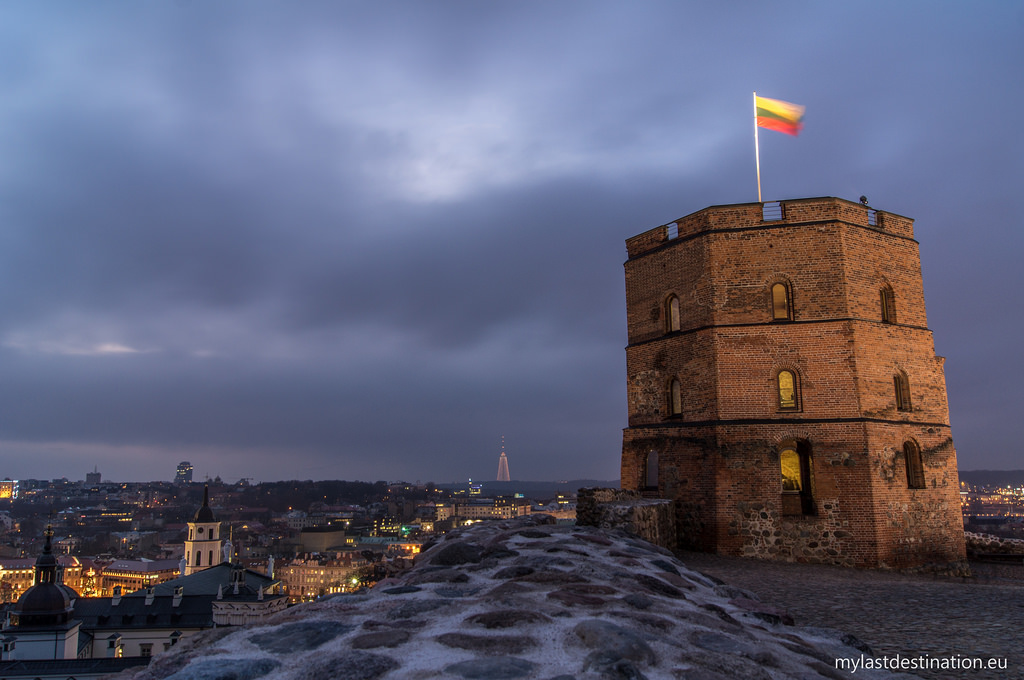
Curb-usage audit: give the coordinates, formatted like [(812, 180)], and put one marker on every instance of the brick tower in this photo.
[(783, 386)]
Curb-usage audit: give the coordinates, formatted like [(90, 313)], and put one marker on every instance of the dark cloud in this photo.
[(332, 241)]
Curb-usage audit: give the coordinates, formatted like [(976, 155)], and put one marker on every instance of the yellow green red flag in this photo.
[(778, 115)]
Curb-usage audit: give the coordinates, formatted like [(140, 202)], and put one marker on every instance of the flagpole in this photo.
[(757, 151)]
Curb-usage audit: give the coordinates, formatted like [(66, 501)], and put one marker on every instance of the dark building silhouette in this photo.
[(183, 475)]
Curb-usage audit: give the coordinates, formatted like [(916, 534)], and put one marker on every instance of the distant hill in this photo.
[(534, 490), (993, 477)]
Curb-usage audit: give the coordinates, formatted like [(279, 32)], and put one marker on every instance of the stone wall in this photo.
[(987, 543), (652, 519), (768, 535)]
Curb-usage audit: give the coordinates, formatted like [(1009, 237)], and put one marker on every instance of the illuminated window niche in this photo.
[(797, 483), (788, 390), (782, 302)]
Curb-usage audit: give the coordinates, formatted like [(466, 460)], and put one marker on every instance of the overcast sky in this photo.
[(364, 240)]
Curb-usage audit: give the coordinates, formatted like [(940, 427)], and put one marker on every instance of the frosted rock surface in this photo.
[(524, 599)]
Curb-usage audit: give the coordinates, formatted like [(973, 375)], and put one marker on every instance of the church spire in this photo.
[(46, 563), (203, 547), (205, 513)]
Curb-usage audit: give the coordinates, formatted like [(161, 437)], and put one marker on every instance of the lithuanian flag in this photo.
[(778, 115)]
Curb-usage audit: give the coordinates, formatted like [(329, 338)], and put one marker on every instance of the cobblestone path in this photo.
[(893, 613)]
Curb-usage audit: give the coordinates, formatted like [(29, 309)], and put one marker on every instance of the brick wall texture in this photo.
[(718, 456)]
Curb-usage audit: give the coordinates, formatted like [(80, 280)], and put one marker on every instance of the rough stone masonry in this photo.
[(524, 598)]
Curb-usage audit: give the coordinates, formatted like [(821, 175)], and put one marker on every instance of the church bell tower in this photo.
[(203, 545)]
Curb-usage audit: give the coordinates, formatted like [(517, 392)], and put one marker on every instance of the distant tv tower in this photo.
[(503, 464)]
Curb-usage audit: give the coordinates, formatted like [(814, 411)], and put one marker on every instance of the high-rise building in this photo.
[(503, 464), (9, 488), (183, 475), (93, 477), (783, 386)]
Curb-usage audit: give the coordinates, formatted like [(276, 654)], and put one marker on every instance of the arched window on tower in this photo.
[(675, 398), (901, 386), (788, 390), (671, 314), (888, 304), (782, 302), (915, 466)]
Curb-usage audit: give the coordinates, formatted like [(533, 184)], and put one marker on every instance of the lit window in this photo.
[(672, 314), (901, 386), (782, 306), (789, 398), (675, 398), (915, 466), (795, 467), (790, 460), (888, 305)]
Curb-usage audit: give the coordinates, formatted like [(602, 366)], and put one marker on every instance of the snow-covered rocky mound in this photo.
[(524, 599)]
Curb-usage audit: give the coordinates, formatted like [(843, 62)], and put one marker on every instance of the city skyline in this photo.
[(338, 241)]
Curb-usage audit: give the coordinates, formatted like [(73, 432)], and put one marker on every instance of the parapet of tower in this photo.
[(783, 386)]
